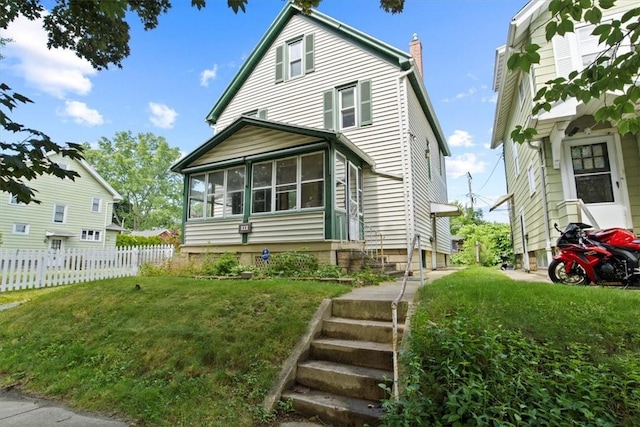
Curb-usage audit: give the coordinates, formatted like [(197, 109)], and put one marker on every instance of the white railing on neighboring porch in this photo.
[(37, 268)]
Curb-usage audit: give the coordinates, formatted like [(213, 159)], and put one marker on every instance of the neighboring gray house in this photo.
[(72, 214), (578, 170), (326, 142)]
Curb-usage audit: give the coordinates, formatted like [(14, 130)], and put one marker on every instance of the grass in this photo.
[(25, 295), (175, 352), (487, 350)]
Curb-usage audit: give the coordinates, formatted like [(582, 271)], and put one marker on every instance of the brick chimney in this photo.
[(415, 50)]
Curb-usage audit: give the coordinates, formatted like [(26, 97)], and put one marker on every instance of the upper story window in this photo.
[(13, 200), (576, 50), (516, 160), (96, 204), (20, 228), (348, 106), (59, 214), (532, 180), (295, 58), (217, 194), (288, 184), (259, 113)]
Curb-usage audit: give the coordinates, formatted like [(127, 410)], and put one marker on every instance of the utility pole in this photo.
[(470, 192)]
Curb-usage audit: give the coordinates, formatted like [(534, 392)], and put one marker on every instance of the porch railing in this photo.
[(370, 239)]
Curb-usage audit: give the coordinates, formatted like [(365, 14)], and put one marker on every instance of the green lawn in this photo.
[(175, 352), (487, 350)]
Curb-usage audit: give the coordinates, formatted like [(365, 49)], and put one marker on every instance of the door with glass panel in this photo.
[(595, 178), (353, 209)]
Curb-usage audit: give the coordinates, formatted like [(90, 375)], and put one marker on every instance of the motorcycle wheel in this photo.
[(557, 274)]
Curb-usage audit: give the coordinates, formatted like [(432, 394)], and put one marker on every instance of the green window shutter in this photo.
[(365, 102), (309, 53), (328, 110), (279, 63), (262, 113)]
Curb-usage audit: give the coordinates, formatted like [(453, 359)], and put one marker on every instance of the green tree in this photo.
[(138, 168), (613, 70), (469, 216), (486, 241)]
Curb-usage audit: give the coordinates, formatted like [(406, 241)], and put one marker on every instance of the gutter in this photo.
[(403, 147)]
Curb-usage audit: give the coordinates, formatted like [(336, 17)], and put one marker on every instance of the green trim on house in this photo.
[(246, 214), (393, 55), (185, 205), (328, 194)]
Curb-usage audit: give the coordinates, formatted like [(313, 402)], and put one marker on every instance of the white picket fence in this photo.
[(37, 268)]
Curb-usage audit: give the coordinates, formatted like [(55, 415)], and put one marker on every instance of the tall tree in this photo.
[(615, 69), (138, 168)]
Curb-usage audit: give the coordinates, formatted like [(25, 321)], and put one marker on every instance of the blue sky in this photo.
[(176, 73)]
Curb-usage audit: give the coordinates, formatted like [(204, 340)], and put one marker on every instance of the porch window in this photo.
[(592, 173), (341, 182), (217, 194), (288, 184)]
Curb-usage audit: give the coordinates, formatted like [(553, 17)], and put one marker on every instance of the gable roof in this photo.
[(95, 175), (181, 165), (393, 55)]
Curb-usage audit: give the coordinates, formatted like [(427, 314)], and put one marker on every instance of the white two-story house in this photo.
[(71, 213), (578, 170), (325, 141)]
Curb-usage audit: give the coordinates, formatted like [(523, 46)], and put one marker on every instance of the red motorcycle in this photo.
[(606, 256)]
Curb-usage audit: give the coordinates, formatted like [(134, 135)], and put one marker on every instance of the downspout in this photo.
[(403, 148), (545, 210)]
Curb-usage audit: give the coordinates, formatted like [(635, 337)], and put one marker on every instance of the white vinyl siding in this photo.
[(337, 61), (300, 227), (532, 180)]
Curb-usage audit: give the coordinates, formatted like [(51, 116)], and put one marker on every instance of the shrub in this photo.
[(218, 265), (329, 270), (461, 374), (368, 277), (129, 240), (292, 264)]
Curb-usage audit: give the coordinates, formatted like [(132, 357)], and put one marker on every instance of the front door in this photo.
[(594, 177)]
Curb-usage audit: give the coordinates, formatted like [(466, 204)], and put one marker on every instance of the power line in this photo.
[(491, 174)]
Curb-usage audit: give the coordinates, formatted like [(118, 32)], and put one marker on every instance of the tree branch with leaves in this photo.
[(614, 70)]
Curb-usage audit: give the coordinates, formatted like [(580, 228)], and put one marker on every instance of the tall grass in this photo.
[(166, 352), (486, 350)]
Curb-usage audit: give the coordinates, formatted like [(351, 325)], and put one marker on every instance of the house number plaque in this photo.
[(244, 228)]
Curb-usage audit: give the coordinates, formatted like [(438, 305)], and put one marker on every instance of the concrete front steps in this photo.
[(339, 382)]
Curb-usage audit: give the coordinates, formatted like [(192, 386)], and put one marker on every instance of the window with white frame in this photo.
[(13, 200), (295, 58), (91, 235), (217, 194), (59, 214), (96, 204), (288, 184), (532, 181), (20, 228), (348, 106), (521, 91)]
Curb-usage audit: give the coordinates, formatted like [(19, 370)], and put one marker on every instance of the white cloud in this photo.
[(458, 166), (54, 71), (207, 75), (81, 113), (162, 116), (490, 99), (461, 138)]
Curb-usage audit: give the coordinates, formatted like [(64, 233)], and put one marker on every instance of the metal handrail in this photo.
[(394, 310)]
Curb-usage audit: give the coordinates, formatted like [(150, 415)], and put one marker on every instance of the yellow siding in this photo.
[(77, 195)]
